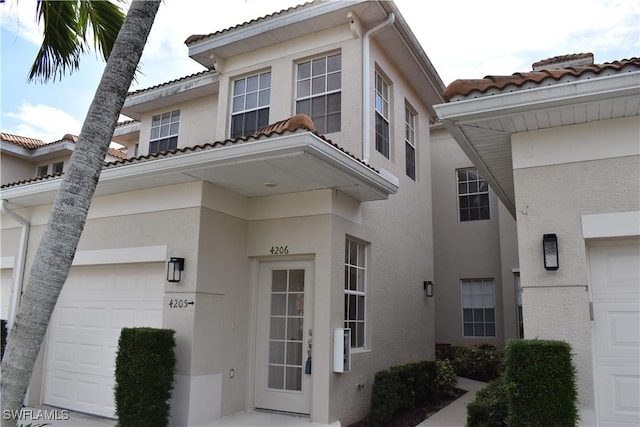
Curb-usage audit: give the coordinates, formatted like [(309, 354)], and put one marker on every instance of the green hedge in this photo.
[(482, 362), (490, 406), (145, 367), (542, 384), (402, 387)]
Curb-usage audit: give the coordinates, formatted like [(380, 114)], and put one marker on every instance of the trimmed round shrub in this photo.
[(490, 407)]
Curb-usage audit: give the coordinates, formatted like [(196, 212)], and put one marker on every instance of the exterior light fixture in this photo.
[(175, 266), (428, 288), (550, 251)]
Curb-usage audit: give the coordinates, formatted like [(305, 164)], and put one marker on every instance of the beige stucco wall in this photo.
[(468, 250), (552, 193), (15, 169), (197, 123)]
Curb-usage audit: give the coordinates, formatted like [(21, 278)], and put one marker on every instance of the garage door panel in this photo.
[(619, 395), (614, 272), (618, 325), (94, 306)]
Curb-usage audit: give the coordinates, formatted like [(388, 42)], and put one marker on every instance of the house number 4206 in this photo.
[(279, 250)]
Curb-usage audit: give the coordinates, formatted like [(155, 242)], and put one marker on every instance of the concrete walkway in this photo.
[(455, 414)]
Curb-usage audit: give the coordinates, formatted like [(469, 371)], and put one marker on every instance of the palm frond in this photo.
[(105, 19), (67, 25), (60, 50)]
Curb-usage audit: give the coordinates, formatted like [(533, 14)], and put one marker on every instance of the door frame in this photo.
[(288, 262)]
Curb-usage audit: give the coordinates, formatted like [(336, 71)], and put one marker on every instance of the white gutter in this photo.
[(19, 264), (366, 89)]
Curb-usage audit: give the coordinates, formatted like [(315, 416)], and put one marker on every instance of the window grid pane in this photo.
[(473, 196), (355, 296), (410, 142), (478, 308), (382, 116), (164, 132), (286, 316), (250, 104), (319, 92)]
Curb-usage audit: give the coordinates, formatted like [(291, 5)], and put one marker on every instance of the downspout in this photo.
[(366, 88), (19, 264)]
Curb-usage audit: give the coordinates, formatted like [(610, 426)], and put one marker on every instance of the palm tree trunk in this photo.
[(69, 212)]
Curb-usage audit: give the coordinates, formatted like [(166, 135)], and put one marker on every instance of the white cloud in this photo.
[(19, 17), (42, 122)]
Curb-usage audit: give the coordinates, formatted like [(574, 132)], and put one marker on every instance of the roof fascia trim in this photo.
[(34, 154), (252, 29), (168, 89), (547, 97)]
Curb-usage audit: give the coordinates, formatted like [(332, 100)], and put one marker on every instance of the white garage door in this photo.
[(615, 284), (95, 304)]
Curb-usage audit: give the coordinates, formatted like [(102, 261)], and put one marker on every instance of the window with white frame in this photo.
[(319, 92), (250, 104), (164, 132), (478, 308), (42, 171), (57, 167), (519, 305), (473, 195), (355, 291), (410, 141), (382, 115)]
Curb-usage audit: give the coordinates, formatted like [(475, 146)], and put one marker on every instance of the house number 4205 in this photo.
[(279, 250)]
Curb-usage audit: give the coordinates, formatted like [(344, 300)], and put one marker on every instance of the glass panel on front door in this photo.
[(286, 330)]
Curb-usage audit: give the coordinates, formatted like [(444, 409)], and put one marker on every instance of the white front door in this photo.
[(283, 337), (615, 286)]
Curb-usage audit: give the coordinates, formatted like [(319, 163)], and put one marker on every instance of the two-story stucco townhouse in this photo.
[(292, 180), (561, 147)]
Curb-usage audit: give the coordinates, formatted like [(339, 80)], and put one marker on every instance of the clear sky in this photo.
[(463, 39)]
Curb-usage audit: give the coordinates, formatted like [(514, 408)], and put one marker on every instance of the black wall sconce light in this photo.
[(175, 266), (550, 251), (428, 288)]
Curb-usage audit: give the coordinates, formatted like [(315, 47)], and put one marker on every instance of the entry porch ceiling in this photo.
[(285, 164)]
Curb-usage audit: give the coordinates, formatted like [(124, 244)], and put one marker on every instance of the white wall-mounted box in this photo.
[(341, 350)]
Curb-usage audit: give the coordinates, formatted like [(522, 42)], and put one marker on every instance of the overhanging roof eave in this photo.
[(176, 169)]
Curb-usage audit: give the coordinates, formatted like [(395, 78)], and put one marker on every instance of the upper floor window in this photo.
[(250, 105), (354, 291), (473, 195), (57, 167), (43, 170), (410, 141), (164, 132), (382, 115), (318, 92), (478, 308)]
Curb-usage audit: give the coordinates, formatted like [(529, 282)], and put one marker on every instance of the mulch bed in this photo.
[(414, 416)]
